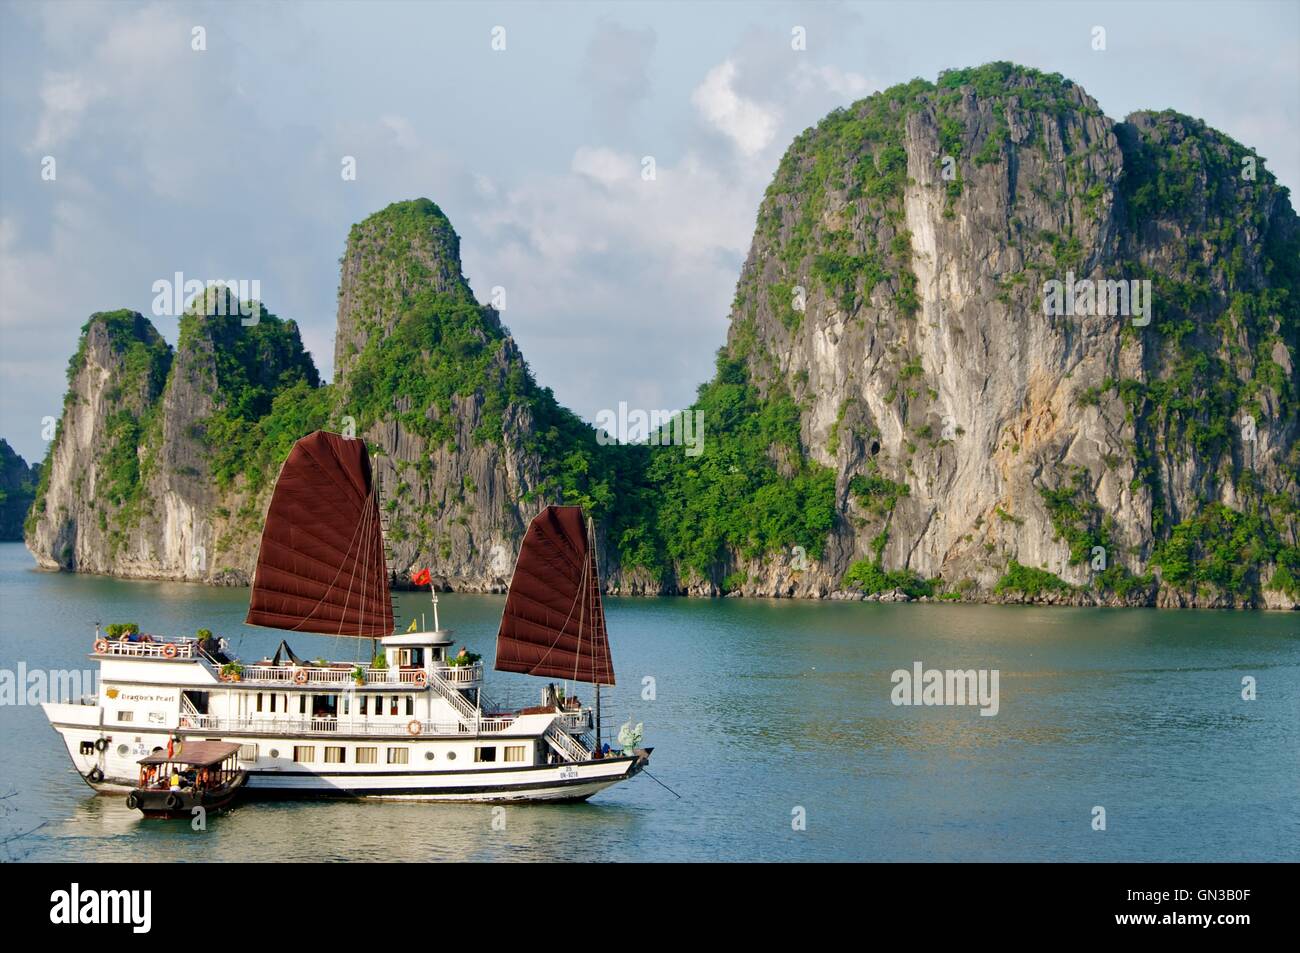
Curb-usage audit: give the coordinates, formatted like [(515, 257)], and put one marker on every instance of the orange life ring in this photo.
[(421, 679), (300, 677), (101, 646), (169, 649), (413, 727)]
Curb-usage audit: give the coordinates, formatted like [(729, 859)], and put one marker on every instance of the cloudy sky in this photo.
[(226, 162)]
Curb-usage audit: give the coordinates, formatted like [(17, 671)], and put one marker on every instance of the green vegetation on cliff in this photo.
[(267, 388), (18, 484)]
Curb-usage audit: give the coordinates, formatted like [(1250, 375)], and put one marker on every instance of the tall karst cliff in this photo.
[(920, 394), (162, 460), (468, 447), (896, 288)]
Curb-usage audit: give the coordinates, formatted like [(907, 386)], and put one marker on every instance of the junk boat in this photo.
[(197, 774), (414, 722)]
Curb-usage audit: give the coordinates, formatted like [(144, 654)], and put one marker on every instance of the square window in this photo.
[(399, 756)]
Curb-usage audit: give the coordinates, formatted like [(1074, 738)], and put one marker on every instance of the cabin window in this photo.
[(248, 752), (399, 755), (515, 753), (304, 754), (347, 704), (259, 701), (361, 708), (126, 716), (392, 705), (379, 705), (367, 755), (273, 698), (302, 704), (334, 754), (410, 704), (485, 754)]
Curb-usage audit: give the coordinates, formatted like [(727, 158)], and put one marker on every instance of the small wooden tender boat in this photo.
[(196, 774)]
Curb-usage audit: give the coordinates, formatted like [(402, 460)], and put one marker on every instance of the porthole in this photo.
[(275, 752), (428, 756), (122, 750), (451, 756)]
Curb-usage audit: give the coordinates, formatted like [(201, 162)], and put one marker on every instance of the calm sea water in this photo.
[(761, 708)]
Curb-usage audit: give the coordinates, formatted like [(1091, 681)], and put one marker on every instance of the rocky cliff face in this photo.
[(975, 437), (155, 470), (987, 344)]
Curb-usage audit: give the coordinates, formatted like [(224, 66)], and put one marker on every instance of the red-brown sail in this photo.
[(321, 566), (554, 621)]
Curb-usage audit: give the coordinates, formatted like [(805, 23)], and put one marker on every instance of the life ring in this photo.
[(169, 649), (413, 727), (300, 677), (132, 801), (95, 776), (421, 679), (173, 802), (101, 744), (101, 646)]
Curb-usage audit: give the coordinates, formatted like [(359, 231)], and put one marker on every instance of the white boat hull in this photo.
[(110, 770)]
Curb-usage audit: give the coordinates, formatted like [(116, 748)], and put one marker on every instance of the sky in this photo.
[(530, 125)]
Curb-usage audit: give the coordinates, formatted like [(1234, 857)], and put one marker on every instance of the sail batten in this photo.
[(321, 566), (554, 623)]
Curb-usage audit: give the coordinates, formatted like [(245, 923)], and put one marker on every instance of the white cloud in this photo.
[(749, 124), (64, 100), (604, 165), (843, 83)]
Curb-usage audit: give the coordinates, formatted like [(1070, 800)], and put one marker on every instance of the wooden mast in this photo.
[(594, 576)]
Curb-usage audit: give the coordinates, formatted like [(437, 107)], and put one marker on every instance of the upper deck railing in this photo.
[(338, 675), (343, 675), (148, 647)]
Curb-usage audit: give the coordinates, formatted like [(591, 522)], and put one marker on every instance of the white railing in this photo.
[(336, 726), (181, 648), (452, 694), (468, 675), (565, 742), (342, 675), (576, 721)]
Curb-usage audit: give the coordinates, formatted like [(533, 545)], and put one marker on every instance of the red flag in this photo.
[(421, 578)]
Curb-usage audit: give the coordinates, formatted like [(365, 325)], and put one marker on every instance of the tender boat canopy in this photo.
[(321, 567), (196, 754), (554, 621)]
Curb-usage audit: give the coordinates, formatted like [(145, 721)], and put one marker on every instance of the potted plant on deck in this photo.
[(232, 672), (359, 675)]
